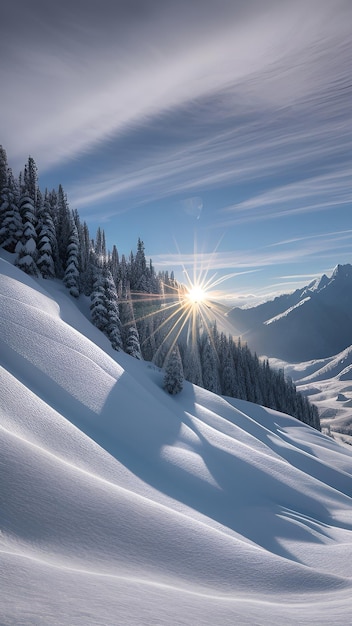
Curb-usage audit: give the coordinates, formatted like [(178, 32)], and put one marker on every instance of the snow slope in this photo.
[(327, 383), (123, 505), (287, 312)]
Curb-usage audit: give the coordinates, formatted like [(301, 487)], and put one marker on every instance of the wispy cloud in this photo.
[(309, 195), (79, 79), (333, 237), (248, 153), (294, 251)]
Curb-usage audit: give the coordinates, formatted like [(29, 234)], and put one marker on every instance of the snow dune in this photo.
[(123, 505)]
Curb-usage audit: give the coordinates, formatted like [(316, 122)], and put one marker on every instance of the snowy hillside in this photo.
[(122, 505), (327, 383), (312, 323)]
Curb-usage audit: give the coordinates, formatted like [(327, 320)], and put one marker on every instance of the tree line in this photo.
[(129, 300)]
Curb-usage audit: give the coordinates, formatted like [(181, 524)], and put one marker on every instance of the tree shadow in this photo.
[(235, 492), (155, 435), (303, 459)]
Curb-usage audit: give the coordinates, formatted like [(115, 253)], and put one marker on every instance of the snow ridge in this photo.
[(287, 312), (311, 323)]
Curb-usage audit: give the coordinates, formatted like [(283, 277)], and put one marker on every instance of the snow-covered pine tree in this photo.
[(104, 306), (86, 262), (30, 180), (138, 270), (129, 333), (173, 378), (240, 389), (3, 168), (113, 329), (228, 374), (98, 305), (100, 246), (146, 335), (209, 362), (10, 219), (132, 345), (71, 277), (123, 274), (45, 261), (46, 238), (191, 363), (26, 247), (62, 220), (115, 266)]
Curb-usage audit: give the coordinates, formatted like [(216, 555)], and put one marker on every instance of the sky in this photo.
[(218, 132)]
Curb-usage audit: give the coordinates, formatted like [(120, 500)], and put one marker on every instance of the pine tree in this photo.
[(126, 311), (62, 220), (46, 238), (86, 262), (98, 249), (173, 379), (228, 375), (124, 279), (139, 278), (209, 363), (11, 227), (3, 168), (115, 266), (27, 246), (104, 306), (98, 303), (191, 364), (145, 329), (30, 180), (132, 346), (71, 277), (113, 329)]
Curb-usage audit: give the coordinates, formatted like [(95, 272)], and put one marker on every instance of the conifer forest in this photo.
[(139, 309)]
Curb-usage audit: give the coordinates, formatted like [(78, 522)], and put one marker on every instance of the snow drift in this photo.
[(123, 505)]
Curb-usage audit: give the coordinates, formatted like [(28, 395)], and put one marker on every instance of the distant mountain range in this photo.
[(311, 323)]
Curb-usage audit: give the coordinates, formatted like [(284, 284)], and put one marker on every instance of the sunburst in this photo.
[(196, 294), (192, 305)]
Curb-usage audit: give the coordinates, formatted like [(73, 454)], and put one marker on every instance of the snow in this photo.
[(287, 312), (121, 504), (328, 384)]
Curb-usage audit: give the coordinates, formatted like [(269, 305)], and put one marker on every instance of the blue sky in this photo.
[(222, 128)]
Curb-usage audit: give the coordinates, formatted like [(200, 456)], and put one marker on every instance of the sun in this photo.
[(196, 294), (188, 309)]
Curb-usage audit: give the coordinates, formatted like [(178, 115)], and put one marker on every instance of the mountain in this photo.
[(311, 323), (121, 504)]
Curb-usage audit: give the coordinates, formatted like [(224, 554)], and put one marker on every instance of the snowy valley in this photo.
[(308, 334), (328, 383)]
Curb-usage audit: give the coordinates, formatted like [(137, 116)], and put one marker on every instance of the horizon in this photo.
[(220, 136)]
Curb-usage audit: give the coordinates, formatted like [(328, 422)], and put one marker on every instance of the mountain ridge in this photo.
[(311, 323)]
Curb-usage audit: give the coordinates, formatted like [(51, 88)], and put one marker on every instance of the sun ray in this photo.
[(187, 309)]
